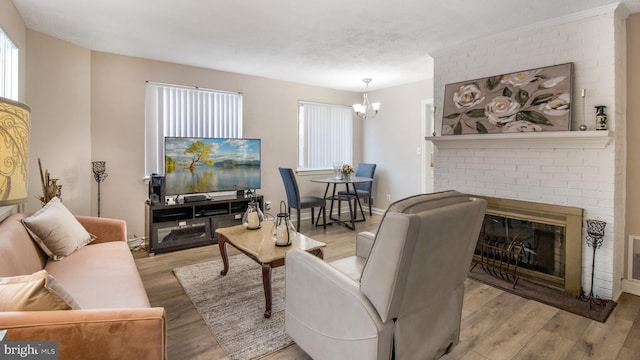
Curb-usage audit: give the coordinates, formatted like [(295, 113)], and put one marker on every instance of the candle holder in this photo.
[(253, 217), (99, 174), (283, 231), (595, 238)]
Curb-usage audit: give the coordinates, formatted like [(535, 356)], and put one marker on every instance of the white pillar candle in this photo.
[(253, 220), (282, 237)]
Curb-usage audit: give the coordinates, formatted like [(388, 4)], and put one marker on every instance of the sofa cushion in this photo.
[(350, 266), (101, 276), (56, 230), (19, 254), (36, 292)]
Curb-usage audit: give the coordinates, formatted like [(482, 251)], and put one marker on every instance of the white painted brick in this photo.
[(568, 192), (555, 181), (474, 173), (494, 160), (519, 188), (567, 162), (541, 161), (528, 169), (569, 176), (554, 169), (507, 167), (528, 181), (583, 185)]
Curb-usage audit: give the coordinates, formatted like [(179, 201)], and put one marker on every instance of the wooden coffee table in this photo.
[(260, 246)]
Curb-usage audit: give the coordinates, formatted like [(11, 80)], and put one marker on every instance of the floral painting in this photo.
[(524, 101)]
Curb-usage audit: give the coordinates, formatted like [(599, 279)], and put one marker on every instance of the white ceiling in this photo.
[(328, 43)]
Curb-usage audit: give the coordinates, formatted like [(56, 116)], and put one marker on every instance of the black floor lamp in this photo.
[(99, 173)]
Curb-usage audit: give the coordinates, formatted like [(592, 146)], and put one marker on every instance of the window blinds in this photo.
[(325, 135), (8, 68), (172, 110)]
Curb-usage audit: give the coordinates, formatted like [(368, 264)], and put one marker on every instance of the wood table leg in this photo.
[(222, 241), (318, 253), (266, 282)]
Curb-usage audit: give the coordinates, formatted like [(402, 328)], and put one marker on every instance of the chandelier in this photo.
[(366, 109)]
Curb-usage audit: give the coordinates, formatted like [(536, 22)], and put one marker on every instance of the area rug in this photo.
[(547, 296), (233, 305)]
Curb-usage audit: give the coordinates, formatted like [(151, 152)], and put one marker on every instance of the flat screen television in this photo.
[(205, 165)]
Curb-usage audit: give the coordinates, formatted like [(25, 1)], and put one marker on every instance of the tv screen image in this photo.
[(202, 165)]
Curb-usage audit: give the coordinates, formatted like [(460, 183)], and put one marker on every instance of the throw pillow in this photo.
[(36, 292), (56, 230)]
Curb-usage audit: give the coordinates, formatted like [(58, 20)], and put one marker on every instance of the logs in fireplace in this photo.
[(538, 242)]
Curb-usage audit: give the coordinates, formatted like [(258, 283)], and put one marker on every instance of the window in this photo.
[(8, 67), (173, 110), (325, 135)]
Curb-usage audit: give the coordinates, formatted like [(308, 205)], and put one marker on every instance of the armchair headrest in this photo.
[(421, 202)]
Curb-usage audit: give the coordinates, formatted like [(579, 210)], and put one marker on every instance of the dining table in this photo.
[(351, 194)]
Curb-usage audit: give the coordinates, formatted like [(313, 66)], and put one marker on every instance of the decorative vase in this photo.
[(601, 118), (336, 170)]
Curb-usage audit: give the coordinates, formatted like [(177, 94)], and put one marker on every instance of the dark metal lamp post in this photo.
[(595, 237)]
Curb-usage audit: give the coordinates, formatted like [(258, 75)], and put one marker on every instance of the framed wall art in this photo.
[(523, 101)]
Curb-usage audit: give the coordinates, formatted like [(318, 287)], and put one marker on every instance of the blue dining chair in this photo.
[(298, 202), (363, 189)]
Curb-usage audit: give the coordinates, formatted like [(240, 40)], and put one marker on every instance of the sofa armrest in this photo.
[(364, 243), (104, 229), (90, 334), (325, 310)]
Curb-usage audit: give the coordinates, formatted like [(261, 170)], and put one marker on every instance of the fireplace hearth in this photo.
[(541, 243)]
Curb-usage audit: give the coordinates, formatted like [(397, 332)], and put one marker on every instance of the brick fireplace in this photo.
[(524, 168), (581, 169)]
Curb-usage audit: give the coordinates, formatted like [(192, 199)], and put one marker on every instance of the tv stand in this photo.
[(192, 223)]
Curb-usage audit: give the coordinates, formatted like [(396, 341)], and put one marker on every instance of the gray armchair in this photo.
[(400, 294)]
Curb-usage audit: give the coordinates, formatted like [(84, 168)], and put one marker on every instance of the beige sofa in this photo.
[(115, 319)]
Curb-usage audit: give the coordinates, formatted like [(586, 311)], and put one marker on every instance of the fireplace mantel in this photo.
[(533, 140)]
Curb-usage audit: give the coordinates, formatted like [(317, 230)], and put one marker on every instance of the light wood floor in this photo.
[(495, 325)]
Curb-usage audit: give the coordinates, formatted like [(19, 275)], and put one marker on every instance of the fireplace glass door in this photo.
[(530, 245)]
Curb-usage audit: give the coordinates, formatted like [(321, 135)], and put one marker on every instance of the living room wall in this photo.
[(56, 87), (117, 126), (59, 93), (391, 140)]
